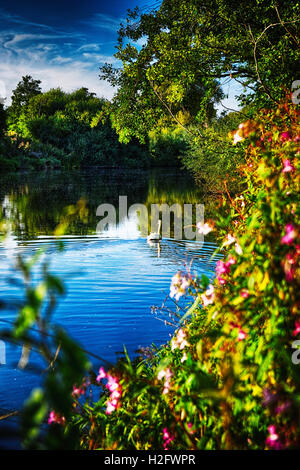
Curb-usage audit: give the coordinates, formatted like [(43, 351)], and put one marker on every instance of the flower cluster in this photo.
[(273, 441), (223, 268), (209, 296), (168, 438), (179, 341), (56, 418), (180, 282), (166, 374), (114, 387)]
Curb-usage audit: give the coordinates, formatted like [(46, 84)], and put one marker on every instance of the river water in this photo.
[(112, 279)]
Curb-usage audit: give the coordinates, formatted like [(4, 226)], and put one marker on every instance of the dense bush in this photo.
[(212, 159), (167, 146), (67, 129)]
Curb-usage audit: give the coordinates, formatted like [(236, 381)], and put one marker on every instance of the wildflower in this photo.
[(166, 374), (285, 136), (290, 234), (241, 335), (77, 391), (184, 357), (101, 375), (167, 437), (191, 431), (109, 407), (297, 328), (209, 296), (244, 293), (229, 240), (56, 418), (180, 282), (282, 407), (238, 249), (222, 268), (204, 228), (179, 340), (115, 389), (287, 166), (273, 439), (289, 266)]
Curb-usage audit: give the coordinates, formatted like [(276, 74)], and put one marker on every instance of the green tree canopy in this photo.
[(175, 59), (24, 91)]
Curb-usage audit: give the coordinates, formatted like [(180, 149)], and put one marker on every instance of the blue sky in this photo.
[(61, 42)]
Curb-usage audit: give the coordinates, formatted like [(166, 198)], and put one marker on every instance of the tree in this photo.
[(21, 95), (189, 48), (2, 119)]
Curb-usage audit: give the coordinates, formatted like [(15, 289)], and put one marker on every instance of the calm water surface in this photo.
[(112, 280)]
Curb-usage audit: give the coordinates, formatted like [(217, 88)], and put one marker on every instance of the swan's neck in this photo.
[(159, 226)]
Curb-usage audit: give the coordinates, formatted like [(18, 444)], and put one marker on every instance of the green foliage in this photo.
[(66, 129), (213, 159), (167, 146), (24, 91), (189, 49), (226, 380)]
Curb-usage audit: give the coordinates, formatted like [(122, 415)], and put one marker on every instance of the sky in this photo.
[(62, 42)]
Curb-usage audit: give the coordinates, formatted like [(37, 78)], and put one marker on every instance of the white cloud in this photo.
[(66, 76), (104, 22), (89, 47)]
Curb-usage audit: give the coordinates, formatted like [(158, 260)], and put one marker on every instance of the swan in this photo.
[(155, 236)]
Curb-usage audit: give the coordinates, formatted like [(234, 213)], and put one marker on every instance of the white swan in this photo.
[(155, 236)]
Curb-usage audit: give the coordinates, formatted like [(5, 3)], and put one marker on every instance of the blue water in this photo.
[(111, 281), (111, 285)]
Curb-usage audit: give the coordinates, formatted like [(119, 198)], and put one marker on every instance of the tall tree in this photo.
[(25, 89), (176, 58), (2, 119)]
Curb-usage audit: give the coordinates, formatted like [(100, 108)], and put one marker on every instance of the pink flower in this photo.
[(190, 426), (222, 281), (56, 418), (115, 389), (109, 407), (297, 328), (241, 335), (167, 437), (179, 341), (222, 268), (77, 391), (273, 439), (180, 282), (101, 375), (285, 136), (282, 407), (166, 374), (244, 293), (290, 234), (287, 166)]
